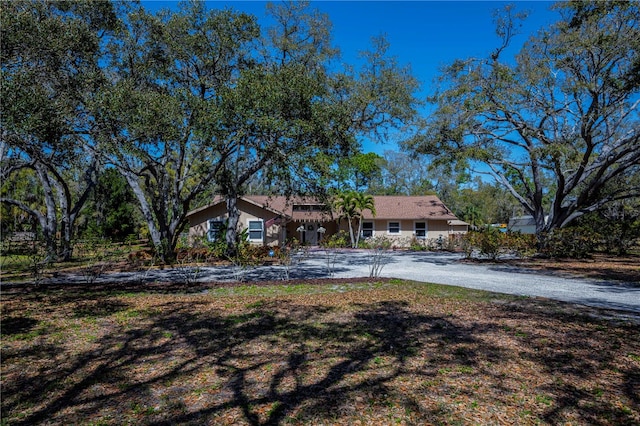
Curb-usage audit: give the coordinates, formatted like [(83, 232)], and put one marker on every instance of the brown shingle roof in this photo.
[(409, 207), (387, 207)]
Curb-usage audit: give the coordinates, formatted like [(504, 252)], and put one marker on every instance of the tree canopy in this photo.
[(182, 103), (50, 72), (558, 127)]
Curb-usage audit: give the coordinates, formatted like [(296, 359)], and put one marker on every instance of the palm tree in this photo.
[(346, 207), (363, 202), (351, 205), (472, 215)]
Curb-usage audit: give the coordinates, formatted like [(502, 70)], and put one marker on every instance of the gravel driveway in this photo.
[(445, 268), (440, 268)]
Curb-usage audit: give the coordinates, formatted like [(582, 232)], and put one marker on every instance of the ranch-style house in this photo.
[(273, 220)]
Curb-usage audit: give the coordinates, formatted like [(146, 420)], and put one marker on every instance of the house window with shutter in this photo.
[(256, 231)]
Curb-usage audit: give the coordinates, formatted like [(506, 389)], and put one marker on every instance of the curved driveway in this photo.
[(445, 268), (439, 268)]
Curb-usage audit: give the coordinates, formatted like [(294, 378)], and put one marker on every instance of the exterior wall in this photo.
[(435, 228), (199, 222), (279, 234), (458, 229), (523, 224)]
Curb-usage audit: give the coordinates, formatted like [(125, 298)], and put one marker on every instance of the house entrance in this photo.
[(310, 234)]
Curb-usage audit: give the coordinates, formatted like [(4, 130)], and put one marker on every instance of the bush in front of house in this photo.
[(491, 242), (340, 239), (575, 242)]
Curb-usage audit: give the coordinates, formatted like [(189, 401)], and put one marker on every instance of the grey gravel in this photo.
[(433, 267)]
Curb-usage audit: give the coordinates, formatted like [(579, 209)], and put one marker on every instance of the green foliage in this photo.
[(111, 211), (351, 206), (554, 127), (491, 242), (574, 242), (338, 240), (618, 226), (358, 171), (181, 103), (50, 59), (522, 245), (418, 244), (401, 174), (378, 242), (217, 248)]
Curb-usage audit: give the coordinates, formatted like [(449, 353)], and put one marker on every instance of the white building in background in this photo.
[(523, 224)]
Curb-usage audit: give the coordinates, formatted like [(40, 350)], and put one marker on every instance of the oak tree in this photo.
[(556, 125), (50, 71)]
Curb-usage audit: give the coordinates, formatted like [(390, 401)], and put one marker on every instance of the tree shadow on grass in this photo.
[(16, 325), (269, 362), (290, 340)]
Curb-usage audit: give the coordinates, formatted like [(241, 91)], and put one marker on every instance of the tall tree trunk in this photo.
[(65, 249), (232, 223), (48, 221), (154, 232)]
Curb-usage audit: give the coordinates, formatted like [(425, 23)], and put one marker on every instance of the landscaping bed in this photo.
[(323, 352)]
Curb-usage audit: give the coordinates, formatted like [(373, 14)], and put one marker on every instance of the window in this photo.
[(216, 229), (255, 230), (421, 229), (367, 229), (393, 227)]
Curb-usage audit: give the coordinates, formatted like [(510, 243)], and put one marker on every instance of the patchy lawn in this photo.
[(338, 352)]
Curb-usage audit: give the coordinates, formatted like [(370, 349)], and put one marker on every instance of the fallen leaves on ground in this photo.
[(337, 352)]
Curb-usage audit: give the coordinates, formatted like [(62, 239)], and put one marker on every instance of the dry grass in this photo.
[(384, 352)]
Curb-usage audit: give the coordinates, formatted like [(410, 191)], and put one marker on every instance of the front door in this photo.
[(311, 234)]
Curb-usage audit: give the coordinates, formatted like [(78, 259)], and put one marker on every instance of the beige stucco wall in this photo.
[(458, 229), (435, 228), (199, 222), (198, 225)]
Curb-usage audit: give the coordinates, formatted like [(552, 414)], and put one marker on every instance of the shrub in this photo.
[(491, 242), (575, 242), (417, 244), (452, 243), (521, 245), (469, 243), (340, 239), (380, 242), (378, 254)]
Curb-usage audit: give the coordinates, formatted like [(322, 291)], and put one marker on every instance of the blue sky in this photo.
[(424, 34)]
